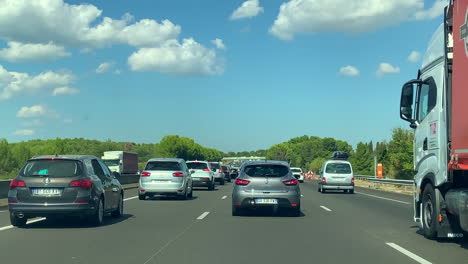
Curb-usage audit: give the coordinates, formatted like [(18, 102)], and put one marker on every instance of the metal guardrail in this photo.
[(390, 181)]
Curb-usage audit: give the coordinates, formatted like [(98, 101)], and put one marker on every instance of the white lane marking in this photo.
[(383, 198), (203, 215), (224, 197), (2, 211), (29, 222), (130, 198), (325, 208), (408, 253)]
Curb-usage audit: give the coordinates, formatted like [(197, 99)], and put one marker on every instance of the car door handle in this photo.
[(425, 144)]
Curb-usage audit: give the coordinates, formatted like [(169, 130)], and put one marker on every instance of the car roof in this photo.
[(69, 157), (276, 162), (337, 161), (166, 159), (197, 161), (296, 168)]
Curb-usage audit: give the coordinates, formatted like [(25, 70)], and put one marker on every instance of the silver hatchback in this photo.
[(266, 184)]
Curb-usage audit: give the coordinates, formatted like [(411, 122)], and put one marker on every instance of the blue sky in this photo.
[(277, 77)]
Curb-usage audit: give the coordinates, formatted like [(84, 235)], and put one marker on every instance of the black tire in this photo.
[(351, 191), (429, 212), (191, 193), (97, 218), (222, 182), (229, 179), (236, 211), (141, 197), (212, 186), (295, 212), (118, 212), (16, 221)]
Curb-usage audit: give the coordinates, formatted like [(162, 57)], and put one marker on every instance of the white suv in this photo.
[(336, 174), (297, 173)]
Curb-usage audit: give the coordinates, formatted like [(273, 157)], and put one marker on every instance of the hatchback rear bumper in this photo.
[(162, 191), (201, 182), (44, 209), (338, 186), (243, 199)]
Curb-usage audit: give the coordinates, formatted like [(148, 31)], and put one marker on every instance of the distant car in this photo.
[(266, 184), (48, 186), (336, 174), (227, 172), (202, 175), (165, 176), (218, 172), (234, 172), (297, 173)]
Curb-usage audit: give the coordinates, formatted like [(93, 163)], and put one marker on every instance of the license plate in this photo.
[(266, 201), (47, 191), (196, 179), (161, 181)]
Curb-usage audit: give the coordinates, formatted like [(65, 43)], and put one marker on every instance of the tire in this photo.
[(222, 182), (429, 213), (295, 212), (351, 191), (321, 189), (229, 179), (97, 218), (212, 186), (185, 196), (236, 211), (119, 210), (191, 193), (141, 197), (16, 221)]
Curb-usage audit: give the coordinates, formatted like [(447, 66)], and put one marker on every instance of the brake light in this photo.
[(242, 182), (145, 174), (81, 201), (220, 171), (206, 169), (17, 183), (290, 182), (83, 184), (178, 174), (228, 171), (352, 180), (324, 180)]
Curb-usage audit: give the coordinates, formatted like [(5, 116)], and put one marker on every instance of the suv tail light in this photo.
[(220, 171), (206, 169), (352, 180), (178, 174), (290, 182), (17, 183), (324, 180), (83, 184), (242, 182), (145, 174)]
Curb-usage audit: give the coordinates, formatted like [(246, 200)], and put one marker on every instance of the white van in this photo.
[(336, 174)]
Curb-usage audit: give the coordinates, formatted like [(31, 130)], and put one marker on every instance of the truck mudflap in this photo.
[(456, 201), (448, 222)]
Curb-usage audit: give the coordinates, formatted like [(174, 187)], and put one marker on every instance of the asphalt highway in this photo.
[(366, 227)]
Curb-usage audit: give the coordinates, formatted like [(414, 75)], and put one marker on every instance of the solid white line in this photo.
[(325, 208), (408, 253), (383, 198), (224, 197), (130, 198), (203, 215), (29, 222), (2, 211)]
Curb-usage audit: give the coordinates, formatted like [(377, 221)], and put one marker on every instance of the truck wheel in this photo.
[(429, 214)]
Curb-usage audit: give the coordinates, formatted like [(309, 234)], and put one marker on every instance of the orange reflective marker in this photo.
[(379, 171)]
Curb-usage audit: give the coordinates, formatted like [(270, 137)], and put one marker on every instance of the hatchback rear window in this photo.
[(162, 166), (215, 166), (339, 168), (197, 166), (52, 168), (266, 170)]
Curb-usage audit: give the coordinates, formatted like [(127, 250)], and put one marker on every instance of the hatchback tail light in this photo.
[(17, 183), (290, 182), (206, 169), (220, 171), (145, 174), (83, 184), (324, 180), (242, 182), (178, 174), (352, 180)]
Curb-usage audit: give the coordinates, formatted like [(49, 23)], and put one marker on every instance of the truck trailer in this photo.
[(121, 162)]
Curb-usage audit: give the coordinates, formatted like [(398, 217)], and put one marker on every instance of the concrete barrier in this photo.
[(4, 187)]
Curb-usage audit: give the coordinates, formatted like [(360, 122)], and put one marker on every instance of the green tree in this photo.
[(400, 154)]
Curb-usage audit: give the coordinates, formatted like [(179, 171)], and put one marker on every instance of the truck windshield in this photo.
[(339, 168), (113, 162), (52, 168)]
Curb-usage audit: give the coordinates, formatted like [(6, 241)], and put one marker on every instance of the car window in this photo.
[(266, 170), (197, 165), (215, 165), (89, 167), (98, 169), (296, 170), (427, 98), (163, 166), (106, 170), (52, 168), (339, 168)]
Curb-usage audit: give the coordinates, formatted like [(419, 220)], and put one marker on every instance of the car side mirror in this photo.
[(408, 101)]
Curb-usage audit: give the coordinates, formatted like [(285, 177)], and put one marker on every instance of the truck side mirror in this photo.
[(408, 102)]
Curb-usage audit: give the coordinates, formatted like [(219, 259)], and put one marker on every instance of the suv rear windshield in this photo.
[(163, 166), (197, 166), (339, 168), (52, 168), (296, 170), (266, 170), (215, 166)]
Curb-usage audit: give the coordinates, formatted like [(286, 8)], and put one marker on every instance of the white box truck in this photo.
[(436, 105), (121, 162)]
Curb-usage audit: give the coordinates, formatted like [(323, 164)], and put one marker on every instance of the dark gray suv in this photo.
[(64, 185)]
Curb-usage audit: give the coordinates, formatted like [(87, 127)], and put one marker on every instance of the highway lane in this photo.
[(354, 229)]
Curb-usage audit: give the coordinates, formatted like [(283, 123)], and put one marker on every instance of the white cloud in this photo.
[(33, 111), (105, 67), (249, 8), (42, 21), (347, 16), (186, 58), (349, 70), (387, 68), (20, 52), (65, 90), (17, 83), (24, 132), (414, 56), (219, 43), (436, 10)]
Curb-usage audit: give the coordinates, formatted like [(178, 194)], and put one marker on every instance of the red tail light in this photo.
[(352, 180), (220, 171), (81, 201), (83, 184), (145, 174), (228, 171), (324, 180), (206, 169), (17, 183), (242, 182), (178, 174), (290, 182)]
